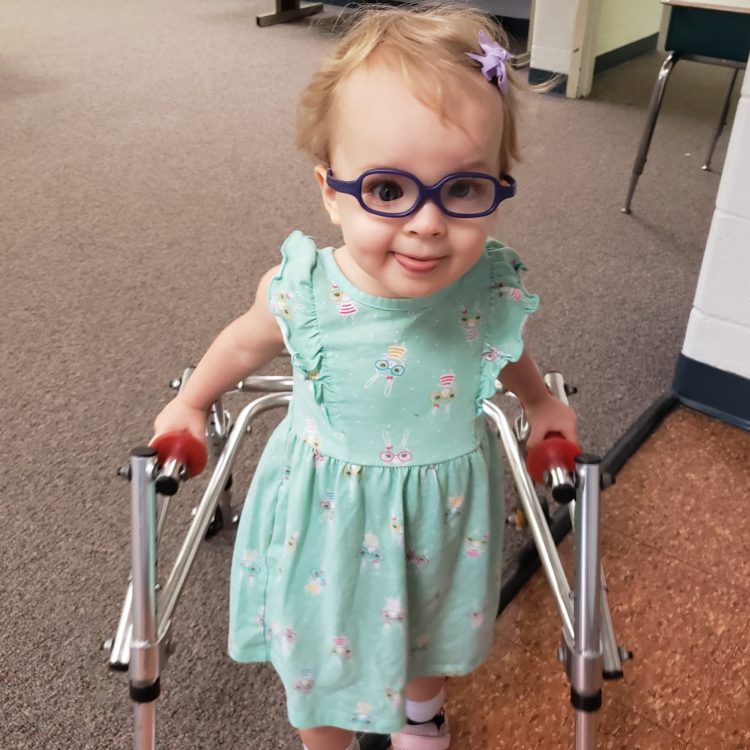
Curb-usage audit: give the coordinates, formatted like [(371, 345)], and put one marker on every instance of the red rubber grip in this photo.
[(553, 451), (183, 448)]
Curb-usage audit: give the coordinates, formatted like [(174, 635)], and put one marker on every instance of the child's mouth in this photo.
[(416, 265)]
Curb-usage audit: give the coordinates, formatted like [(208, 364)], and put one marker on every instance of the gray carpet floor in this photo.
[(147, 178)]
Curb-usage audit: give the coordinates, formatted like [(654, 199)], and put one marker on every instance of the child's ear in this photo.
[(329, 195)]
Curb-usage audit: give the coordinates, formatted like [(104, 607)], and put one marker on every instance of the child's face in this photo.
[(378, 123)]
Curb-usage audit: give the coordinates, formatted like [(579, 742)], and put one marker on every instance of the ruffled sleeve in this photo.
[(509, 305), (291, 299)]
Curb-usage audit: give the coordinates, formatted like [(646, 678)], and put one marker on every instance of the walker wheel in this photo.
[(183, 448), (553, 451), (216, 524)]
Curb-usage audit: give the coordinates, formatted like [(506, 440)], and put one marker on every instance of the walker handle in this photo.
[(553, 455), (182, 455)]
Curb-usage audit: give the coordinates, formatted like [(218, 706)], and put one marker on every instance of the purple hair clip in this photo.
[(493, 61)]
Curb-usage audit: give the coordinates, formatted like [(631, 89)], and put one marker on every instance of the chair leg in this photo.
[(648, 132), (722, 121)]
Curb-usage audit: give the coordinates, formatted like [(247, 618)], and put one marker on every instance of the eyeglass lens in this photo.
[(394, 193)]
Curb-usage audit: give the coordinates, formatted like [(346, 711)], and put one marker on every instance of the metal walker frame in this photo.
[(142, 642)]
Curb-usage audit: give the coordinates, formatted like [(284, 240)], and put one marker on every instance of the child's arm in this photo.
[(544, 412), (245, 345)]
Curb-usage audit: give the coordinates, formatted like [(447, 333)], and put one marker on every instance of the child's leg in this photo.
[(327, 738), (424, 689)]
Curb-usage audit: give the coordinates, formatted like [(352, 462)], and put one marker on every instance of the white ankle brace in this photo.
[(420, 711)]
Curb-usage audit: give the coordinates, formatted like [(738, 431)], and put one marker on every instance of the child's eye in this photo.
[(386, 191), (461, 189), (471, 194)]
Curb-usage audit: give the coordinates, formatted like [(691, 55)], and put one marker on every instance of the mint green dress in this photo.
[(369, 549)]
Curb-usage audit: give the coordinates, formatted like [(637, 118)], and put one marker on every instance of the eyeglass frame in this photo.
[(354, 188)]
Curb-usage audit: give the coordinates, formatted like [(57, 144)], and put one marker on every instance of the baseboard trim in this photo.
[(714, 392), (638, 433), (627, 52)]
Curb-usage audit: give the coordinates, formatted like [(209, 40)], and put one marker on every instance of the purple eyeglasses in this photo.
[(394, 193)]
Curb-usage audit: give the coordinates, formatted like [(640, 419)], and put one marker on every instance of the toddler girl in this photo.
[(367, 560)]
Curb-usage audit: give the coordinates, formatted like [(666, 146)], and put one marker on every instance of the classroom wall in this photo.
[(618, 24), (622, 22), (718, 332), (552, 35)]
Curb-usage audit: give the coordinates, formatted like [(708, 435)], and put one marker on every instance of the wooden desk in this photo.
[(733, 6), (716, 32)]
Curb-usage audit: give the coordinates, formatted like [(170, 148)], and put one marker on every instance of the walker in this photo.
[(142, 642)]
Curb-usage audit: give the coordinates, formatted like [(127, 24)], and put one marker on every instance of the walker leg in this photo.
[(144, 716), (722, 121), (219, 426), (173, 586), (144, 649), (648, 131), (119, 646), (540, 532), (119, 654), (586, 657), (585, 730), (611, 652), (142, 643), (612, 655)]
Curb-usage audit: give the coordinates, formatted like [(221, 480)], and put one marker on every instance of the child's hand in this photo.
[(177, 416), (549, 414)]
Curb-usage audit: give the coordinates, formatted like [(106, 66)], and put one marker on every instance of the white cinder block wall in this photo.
[(718, 332)]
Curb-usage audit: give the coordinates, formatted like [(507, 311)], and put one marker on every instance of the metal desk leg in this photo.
[(722, 121), (288, 10), (648, 132)]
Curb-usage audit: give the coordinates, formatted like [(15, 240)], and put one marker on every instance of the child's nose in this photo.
[(427, 221)]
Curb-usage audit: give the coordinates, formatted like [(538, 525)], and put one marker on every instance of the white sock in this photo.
[(420, 711)]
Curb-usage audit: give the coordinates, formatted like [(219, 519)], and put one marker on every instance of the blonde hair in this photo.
[(428, 43)]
